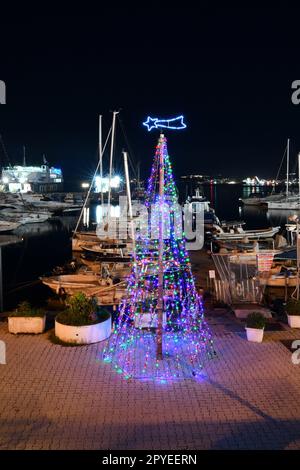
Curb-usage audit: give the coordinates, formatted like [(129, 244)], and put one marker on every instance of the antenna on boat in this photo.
[(299, 176), (287, 167), (100, 160), (24, 155), (4, 151)]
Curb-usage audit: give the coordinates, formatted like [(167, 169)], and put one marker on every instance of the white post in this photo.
[(129, 203), (287, 167), (100, 158), (111, 160)]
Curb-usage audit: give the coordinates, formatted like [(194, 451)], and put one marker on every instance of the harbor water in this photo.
[(48, 245)]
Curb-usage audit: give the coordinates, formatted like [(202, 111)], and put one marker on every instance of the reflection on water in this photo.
[(225, 199), (44, 246)]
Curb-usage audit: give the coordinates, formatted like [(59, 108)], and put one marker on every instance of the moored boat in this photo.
[(236, 232), (70, 283), (6, 226)]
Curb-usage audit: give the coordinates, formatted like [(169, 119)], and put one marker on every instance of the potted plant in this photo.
[(255, 325), (293, 313), (26, 319), (81, 322)]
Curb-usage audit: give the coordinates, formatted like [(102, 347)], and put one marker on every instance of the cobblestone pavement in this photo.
[(53, 397)]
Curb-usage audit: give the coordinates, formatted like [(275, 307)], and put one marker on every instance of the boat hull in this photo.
[(251, 235)]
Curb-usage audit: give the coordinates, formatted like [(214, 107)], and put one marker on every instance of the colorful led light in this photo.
[(187, 341)]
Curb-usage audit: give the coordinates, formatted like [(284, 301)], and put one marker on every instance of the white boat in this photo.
[(287, 204), (238, 233), (279, 280), (117, 269), (70, 283), (104, 290), (107, 254), (31, 218), (6, 226), (88, 239), (252, 200), (24, 217), (290, 202), (41, 202)]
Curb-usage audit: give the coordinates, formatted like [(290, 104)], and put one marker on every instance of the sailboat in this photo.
[(289, 202), (90, 241)]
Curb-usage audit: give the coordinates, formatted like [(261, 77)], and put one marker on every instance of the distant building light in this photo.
[(85, 185), (115, 182), (102, 186)]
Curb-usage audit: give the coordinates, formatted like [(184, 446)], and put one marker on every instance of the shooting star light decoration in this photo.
[(155, 123)]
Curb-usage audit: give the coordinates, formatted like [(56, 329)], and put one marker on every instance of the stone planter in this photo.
[(255, 335), (86, 334), (32, 325), (294, 321)]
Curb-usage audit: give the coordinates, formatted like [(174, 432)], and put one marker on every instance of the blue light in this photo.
[(155, 123)]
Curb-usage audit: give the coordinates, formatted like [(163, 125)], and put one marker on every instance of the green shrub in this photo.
[(81, 311), (24, 309), (293, 307), (256, 320)]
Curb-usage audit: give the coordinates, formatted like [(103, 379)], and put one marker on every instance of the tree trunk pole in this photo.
[(160, 303)]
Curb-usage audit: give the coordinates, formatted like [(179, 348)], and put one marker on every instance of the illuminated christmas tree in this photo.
[(160, 331)]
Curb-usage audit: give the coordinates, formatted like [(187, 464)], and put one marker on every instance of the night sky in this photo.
[(228, 71)]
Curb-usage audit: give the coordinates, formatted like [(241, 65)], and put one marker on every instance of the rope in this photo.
[(278, 172), (4, 151), (128, 146), (24, 286), (106, 289)]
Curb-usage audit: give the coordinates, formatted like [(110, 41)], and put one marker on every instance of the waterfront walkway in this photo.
[(54, 397)]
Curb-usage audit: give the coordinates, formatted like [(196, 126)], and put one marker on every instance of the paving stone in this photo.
[(53, 397)]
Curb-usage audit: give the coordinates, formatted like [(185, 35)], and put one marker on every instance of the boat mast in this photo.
[(90, 188), (100, 160), (24, 155), (138, 177), (111, 160), (299, 177), (129, 203), (287, 167), (160, 300)]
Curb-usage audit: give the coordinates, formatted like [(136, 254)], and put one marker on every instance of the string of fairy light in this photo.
[(187, 341)]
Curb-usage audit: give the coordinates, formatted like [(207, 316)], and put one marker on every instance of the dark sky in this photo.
[(229, 71)]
